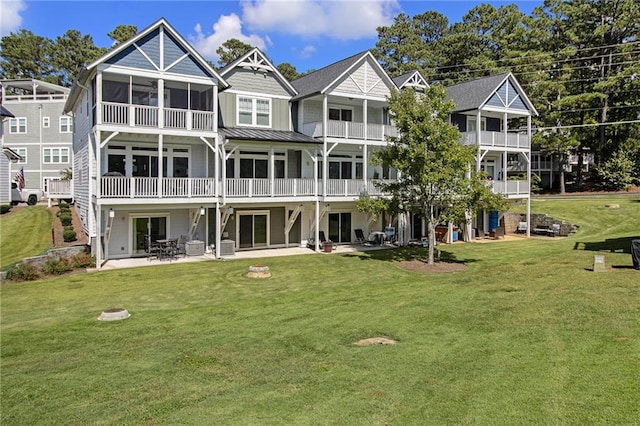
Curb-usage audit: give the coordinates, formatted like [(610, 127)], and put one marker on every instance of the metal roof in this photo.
[(253, 134)]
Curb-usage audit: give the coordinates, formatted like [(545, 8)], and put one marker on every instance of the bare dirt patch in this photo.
[(421, 265), (376, 341)]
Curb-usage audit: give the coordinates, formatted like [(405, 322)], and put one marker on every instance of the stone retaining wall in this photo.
[(538, 220)]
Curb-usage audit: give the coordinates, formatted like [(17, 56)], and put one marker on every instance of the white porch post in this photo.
[(364, 118), (218, 231), (161, 105), (478, 141), (325, 159), (317, 229), (99, 97), (160, 162), (529, 178), (272, 172)]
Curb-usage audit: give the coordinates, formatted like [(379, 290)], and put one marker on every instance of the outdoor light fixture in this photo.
[(230, 210), (112, 214), (201, 211)]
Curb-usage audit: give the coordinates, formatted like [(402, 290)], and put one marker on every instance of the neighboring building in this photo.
[(241, 158), (546, 167), (490, 112), (39, 132)]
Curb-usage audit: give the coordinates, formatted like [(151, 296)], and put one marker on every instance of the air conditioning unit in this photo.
[(227, 248)]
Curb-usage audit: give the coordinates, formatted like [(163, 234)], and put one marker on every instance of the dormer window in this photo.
[(254, 111)]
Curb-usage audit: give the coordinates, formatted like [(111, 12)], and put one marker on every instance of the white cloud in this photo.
[(346, 20), (307, 51), (10, 19), (227, 27)]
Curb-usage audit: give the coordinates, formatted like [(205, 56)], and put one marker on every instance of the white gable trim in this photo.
[(509, 77), (364, 57), (256, 60)]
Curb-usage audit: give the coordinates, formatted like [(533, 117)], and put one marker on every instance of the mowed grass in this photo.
[(528, 334), (24, 232)]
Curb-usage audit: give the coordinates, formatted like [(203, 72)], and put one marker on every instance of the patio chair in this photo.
[(360, 239), (181, 246), (152, 248), (522, 228), (311, 242)]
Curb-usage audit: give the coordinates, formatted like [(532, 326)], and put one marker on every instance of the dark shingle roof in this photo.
[(402, 79), (318, 80), (254, 134), (473, 94), (5, 112)]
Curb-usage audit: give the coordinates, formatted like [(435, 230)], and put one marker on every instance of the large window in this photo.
[(66, 124), (340, 114), (18, 125), (55, 155), (22, 152), (254, 112)]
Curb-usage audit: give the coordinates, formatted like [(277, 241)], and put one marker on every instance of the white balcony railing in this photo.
[(497, 139), (511, 187), (181, 188), (148, 187), (350, 130), (147, 116)]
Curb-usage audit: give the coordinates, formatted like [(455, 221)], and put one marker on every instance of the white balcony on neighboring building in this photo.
[(350, 130), (497, 139), (511, 187)]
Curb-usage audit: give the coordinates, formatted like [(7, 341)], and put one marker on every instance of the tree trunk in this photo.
[(431, 234), (579, 172), (561, 162)]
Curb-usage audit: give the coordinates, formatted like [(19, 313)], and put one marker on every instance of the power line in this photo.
[(573, 126)]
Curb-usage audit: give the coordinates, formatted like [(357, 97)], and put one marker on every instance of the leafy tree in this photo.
[(70, 53), (615, 173), (288, 71), (122, 33), (26, 55), (231, 50), (434, 175)]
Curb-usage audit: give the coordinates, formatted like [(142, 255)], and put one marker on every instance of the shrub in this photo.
[(23, 272), (65, 219), (5, 208), (63, 205), (69, 235), (57, 266), (615, 173), (84, 260), (68, 228)]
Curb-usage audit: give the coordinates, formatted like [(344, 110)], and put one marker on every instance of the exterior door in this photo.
[(340, 227), (151, 228), (253, 230)]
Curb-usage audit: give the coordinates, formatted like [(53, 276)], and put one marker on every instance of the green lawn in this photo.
[(527, 335), (24, 232)]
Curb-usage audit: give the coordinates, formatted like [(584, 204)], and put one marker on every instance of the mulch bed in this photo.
[(58, 229), (421, 265)]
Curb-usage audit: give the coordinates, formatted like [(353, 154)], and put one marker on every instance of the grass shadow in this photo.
[(407, 253), (613, 245)]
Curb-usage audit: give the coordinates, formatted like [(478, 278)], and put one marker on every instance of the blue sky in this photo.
[(306, 33)]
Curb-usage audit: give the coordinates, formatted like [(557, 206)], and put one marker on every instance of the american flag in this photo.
[(20, 178)]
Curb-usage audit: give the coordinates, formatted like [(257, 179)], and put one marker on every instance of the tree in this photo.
[(231, 50), (26, 55), (412, 43), (615, 173), (122, 33), (434, 174), (70, 53), (288, 71)]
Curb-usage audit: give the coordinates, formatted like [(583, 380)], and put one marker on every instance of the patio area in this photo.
[(252, 254)]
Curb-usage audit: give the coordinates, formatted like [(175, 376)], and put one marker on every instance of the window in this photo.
[(18, 125), (66, 124), (340, 114), (23, 153), (254, 112), (46, 122), (55, 155)]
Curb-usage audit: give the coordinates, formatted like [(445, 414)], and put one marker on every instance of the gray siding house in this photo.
[(39, 131)]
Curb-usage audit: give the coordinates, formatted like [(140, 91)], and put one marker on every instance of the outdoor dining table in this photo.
[(168, 248)]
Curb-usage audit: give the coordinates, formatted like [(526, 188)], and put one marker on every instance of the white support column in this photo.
[(218, 231), (99, 97), (98, 214), (364, 118), (317, 228), (325, 155), (504, 154), (160, 162), (161, 105), (529, 178), (478, 140), (272, 174)]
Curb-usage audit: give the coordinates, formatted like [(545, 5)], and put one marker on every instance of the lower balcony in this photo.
[(511, 187)]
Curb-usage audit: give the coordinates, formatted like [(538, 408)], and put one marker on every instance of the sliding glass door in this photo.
[(340, 227), (147, 228), (253, 230)]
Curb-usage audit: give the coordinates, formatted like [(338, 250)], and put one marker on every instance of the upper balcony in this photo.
[(148, 103), (497, 139), (350, 130)]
